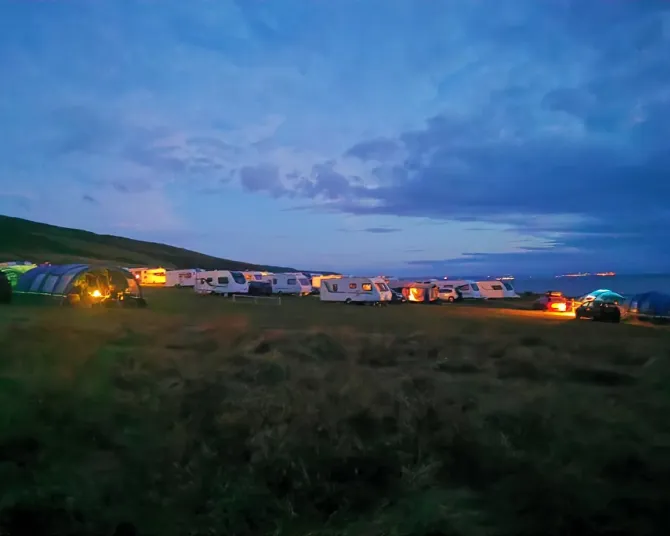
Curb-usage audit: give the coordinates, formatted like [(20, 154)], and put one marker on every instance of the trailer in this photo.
[(291, 283), (181, 278), (496, 289), (149, 276), (221, 282), (361, 290)]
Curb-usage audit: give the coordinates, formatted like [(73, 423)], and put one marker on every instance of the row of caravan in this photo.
[(381, 289), (329, 287), (487, 290), (225, 281)]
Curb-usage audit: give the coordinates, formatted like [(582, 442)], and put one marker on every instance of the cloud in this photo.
[(381, 230), (89, 199), (534, 118)]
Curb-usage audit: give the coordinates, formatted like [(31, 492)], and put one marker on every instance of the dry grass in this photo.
[(202, 417)]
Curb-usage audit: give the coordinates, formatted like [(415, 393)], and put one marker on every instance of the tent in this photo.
[(84, 284), (14, 270), (648, 306), (5, 289), (421, 292), (604, 295)]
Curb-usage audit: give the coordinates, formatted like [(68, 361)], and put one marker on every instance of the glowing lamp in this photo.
[(96, 293)]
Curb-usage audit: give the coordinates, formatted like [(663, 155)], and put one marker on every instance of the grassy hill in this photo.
[(39, 242)]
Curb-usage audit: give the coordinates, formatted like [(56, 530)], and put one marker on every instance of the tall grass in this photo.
[(405, 421)]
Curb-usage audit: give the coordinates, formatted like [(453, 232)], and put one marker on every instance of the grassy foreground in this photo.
[(199, 416)]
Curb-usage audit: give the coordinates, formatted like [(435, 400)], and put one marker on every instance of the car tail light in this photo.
[(558, 307)]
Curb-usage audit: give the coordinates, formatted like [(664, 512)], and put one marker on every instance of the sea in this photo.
[(578, 286)]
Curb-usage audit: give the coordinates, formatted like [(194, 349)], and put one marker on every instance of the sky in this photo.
[(389, 136)]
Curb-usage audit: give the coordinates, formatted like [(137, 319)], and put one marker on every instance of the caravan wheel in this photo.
[(450, 299), (347, 301)]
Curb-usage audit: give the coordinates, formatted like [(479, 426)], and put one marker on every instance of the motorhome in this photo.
[(258, 276), (496, 289), (222, 282), (149, 276), (291, 283), (468, 289), (181, 278), (355, 290)]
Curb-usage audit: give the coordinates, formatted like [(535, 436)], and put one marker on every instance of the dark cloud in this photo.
[(131, 186), (584, 166), (381, 230), (379, 149), (262, 178), (89, 199), (373, 230)]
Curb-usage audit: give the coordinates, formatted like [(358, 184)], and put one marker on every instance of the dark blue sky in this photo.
[(409, 136)]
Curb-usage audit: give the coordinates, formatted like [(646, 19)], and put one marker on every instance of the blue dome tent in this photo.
[(84, 284), (604, 295), (648, 306)]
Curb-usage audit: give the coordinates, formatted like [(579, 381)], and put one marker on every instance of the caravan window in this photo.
[(496, 287), (382, 287), (274, 281), (257, 277), (335, 287), (464, 288), (292, 281), (508, 286), (209, 279), (238, 277), (304, 282), (367, 287), (223, 280), (352, 285), (475, 287)]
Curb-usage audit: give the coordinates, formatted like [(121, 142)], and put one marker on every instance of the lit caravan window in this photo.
[(223, 280), (367, 287), (352, 285), (238, 277), (291, 281)]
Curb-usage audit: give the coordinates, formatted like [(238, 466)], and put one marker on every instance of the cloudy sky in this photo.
[(409, 136)]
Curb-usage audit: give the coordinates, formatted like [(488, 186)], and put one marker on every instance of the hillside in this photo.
[(39, 242)]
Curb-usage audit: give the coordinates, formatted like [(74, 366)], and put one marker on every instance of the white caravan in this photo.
[(355, 290), (222, 282), (469, 289), (496, 289), (291, 283), (181, 278)]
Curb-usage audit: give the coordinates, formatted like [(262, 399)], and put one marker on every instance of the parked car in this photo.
[(599, 311), (553, 301), (450, 294)]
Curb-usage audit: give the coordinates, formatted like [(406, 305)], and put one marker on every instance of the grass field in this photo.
[(199, 416)]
